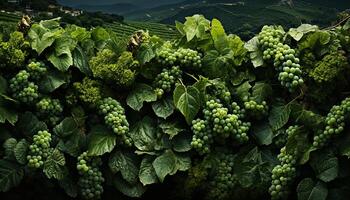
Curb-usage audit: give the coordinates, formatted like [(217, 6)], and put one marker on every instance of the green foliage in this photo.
[(113, 68), (13, 52)]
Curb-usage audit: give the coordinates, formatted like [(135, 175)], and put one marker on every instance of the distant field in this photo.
[(9, 17), (128, 28), (121, 29)]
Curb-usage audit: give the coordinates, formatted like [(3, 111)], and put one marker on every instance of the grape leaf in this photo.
[(29, 124), (279, 116), (256, 55), (69, 186), (20, 151), (130, 190), (298, 33), (182, 142), (11, 175), (187, 100), (140, 93), (52, 81), (54, 166), (126, 164), (80, 61), (164, 107), (325, 165), (196, 26), (171, 128), (143, 134), (165, 165), (101, 141), (147, 174), (263, 133), (309, 190)]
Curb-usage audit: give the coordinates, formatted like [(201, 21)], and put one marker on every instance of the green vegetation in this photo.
[(88, 114)]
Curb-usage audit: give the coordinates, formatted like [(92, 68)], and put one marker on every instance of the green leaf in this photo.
[(73, 145), (69, 186), (80, 61), (101, 141), (54, 165), (187, 100), (130, 190), (11, 175), (263, 133), (183, 163), (20, 151), (61, 57), (143, 134), (7, 114), (171, 128), (29, 124), (196, 26), (52, 81), (66, 128), (164, 107), (147, 174), (242, 76), (325, 165), (42, 37), (164, 165), (256, 55), (298, 33), (140, 93), (261, 91), (309, 190), (182, 142), (126, 164), (347, 25), (343, 145), (305, 117), (145, 53), (9, 146), (219, 36), (279, 116), (243, 90)]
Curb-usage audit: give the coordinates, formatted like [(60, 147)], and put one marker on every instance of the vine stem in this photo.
[(339, 23)]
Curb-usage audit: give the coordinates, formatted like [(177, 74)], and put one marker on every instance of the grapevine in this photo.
[(39, 150)]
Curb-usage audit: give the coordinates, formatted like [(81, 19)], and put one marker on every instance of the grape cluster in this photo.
[(188, 57), (39, 149), (115, 118), (165, 55), (91, 179), (335, 122), (224, 179), (22, 89), (202, 137), (36, 70), (166, 79), (254, 109), (284, 58), (50, 110), (283, 174), (218, 123), (237, 110), (220, 91)]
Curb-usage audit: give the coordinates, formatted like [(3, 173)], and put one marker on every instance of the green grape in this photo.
[(188, 57), (36, 70), (335, 123), (22, 89), (284, 58), (237, 110), (224, 179), (202, 137), (166, 80), (282, 175), (91, 179), (255, 109), (115, 118), (50, 110), (165, 55), (39, 149)]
